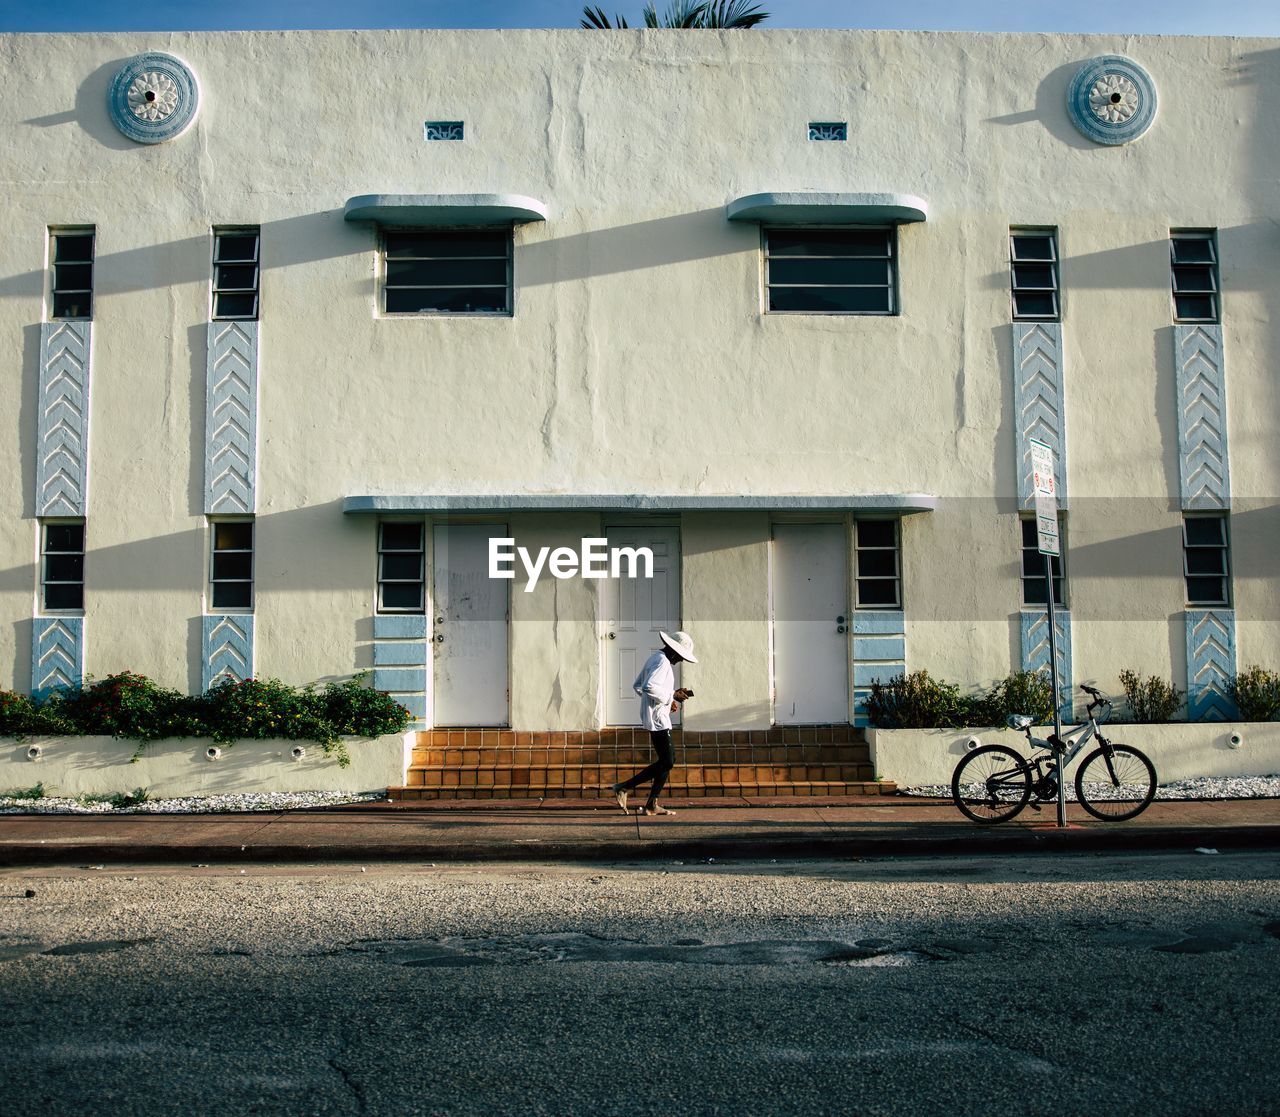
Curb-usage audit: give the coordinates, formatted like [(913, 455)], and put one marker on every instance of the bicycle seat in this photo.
[(1019, 721), (1090, 690)]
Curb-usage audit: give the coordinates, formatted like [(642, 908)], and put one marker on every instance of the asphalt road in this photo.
[(1112, 984)]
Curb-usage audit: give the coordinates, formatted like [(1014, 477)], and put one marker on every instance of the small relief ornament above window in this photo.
[(154, 97), (1112, 100)]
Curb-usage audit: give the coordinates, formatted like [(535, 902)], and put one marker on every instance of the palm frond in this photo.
[(724, 14), (682, 14), (595, 19)]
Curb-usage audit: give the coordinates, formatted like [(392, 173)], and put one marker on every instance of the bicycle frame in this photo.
[(1061, 751)]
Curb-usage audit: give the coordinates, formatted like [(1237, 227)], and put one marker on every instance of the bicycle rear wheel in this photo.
[(1115, 789), (991, 784)]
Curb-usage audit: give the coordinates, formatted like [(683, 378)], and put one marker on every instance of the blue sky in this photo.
[(1175, 17)]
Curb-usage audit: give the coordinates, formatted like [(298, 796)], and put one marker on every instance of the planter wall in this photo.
[(178, 767), (912, 757)]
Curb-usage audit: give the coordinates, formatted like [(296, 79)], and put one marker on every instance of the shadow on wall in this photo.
[(1050, 110)]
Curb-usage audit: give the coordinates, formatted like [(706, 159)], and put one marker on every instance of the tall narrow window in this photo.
[(1033, 267), (62, 567), (71, 256), (878, 573), (231, 569), (1033, 566), (1194, 263), (235, 273), (1206, 560), (447, 271), (401, 568), (830, 271)]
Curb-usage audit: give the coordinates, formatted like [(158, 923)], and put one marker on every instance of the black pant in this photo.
[(660, 739)]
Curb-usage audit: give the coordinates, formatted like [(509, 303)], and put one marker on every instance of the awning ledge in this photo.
[(424, 211), (472, 503), (814, 208)]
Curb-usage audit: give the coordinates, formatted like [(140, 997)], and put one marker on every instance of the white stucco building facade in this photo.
[(746, 298)]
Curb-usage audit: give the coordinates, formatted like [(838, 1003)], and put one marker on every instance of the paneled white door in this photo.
[(635, 610), (810, 623), (469, 630)]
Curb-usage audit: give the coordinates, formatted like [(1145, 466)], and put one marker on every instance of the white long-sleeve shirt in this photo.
[(656, 685)]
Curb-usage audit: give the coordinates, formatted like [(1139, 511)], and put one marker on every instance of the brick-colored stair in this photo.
[(800, 761)]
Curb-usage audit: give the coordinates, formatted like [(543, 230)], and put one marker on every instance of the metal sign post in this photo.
[(1049, 546)]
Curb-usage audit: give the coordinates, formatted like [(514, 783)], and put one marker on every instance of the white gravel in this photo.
[(213, 804), (1201, 787)]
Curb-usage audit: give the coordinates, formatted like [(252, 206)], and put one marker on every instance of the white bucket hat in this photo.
[(682, 644)]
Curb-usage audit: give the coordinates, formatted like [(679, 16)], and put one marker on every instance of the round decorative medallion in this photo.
[(1112, 100), (154, 98)]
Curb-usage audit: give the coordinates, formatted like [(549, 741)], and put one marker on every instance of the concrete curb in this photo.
[(807, 847)]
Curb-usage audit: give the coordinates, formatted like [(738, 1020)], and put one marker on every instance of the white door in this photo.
[(635, 610), (470, 628), (810, 629)]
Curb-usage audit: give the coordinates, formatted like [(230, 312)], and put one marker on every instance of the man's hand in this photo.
[(683, 693), (675, 707)]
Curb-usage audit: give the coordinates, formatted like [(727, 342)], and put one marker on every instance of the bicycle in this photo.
[(1114, 782)]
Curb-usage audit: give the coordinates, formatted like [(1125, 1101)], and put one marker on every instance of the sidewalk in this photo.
[(577, 831)]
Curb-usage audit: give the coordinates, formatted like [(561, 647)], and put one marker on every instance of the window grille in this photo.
[(72, 260), (62, 567), (1206, 562), (448, 271), (878, 574), (1194, 263), (830, 271), (231, 571), (1033, 566), (236, 274), (401, 568), (1033, 275)]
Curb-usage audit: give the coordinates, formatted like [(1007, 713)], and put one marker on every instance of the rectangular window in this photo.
[(830, 271), (1206, 562), (447, 271), (1033, 566), (62, 567), (1194, 261), (231, 569), (401, 568), (235, 274), (71, 258), (1033, 275), (878, 574)]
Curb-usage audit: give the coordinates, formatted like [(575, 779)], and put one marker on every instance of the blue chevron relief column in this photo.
[(62, 435), (57, 654), (1202, 418), (231, 418), (1211, 661), (1039, 403), (1205, 475), (228, 649), (1035, 652), (400, 662)]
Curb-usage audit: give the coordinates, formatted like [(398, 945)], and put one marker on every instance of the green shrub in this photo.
[(1256, 693), (37, 792), (129, 798), (1023, 692), (1151, 701), (131, 705), (915, 701)]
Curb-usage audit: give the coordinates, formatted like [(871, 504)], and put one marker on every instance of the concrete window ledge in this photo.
[(69, 766), (1180, 751)]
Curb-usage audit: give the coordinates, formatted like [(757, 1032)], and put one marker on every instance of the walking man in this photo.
[(659, 699)]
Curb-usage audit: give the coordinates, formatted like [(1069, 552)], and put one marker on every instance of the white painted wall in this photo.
[(638, 359)]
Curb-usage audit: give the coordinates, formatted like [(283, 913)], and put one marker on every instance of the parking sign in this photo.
[(1046, 498)]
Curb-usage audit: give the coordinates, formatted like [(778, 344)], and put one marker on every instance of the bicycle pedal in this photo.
[(1034, 806)]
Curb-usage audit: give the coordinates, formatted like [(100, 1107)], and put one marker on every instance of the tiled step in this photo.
[(626, 755), (596, 776), (810, 789)]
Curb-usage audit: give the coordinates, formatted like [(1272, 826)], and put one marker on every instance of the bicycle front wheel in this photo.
[(1117, 787), (991, 784)]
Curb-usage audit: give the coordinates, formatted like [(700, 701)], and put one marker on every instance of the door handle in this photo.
[(440, 638), (613, 636), (840, 628)]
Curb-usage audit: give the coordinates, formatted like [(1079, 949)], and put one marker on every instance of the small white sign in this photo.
[(1046, 498)]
